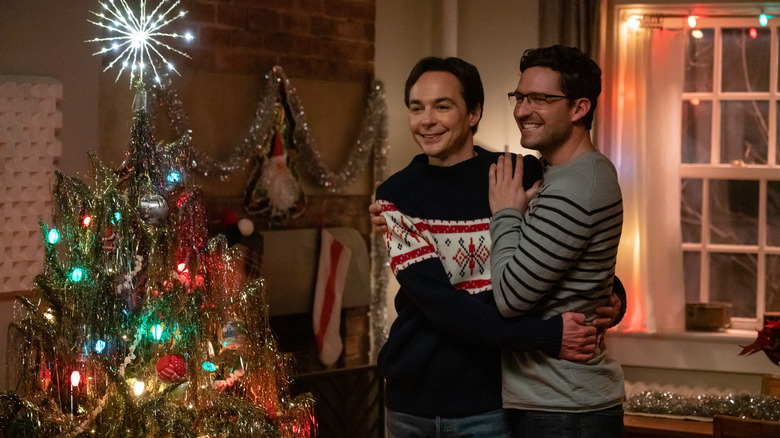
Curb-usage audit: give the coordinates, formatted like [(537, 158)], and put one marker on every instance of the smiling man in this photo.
[(555, 248), (441, 362)]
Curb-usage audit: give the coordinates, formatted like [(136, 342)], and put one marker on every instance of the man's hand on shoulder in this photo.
[(578, 340), (377, 220)]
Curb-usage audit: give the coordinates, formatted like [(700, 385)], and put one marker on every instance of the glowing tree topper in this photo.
[(137, 37)]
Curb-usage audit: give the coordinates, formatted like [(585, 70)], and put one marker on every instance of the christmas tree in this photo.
[(140, 324)]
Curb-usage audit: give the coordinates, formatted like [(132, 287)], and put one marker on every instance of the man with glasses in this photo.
[(555, 247), (441, 362)]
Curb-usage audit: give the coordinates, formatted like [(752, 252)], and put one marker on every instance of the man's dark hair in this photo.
[(580, 75), (470, 83)]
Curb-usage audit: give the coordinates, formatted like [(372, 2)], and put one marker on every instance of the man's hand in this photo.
[(506, 186), (578, 340), (377, 220), (607, 315)]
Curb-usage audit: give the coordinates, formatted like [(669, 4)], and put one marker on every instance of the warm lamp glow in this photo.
[(695, 101), (698, 34), (634, 22)]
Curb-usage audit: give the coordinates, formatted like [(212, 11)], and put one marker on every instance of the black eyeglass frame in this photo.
[(521, 97)]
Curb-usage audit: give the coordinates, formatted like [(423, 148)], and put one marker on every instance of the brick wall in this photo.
[(315, 39)]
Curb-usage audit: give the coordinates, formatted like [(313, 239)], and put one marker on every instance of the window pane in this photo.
[(699, 61), (733, 280), (696, 131), (690, 210), (773, 213), (743, 132), (692, 269), (746, 59), (734, 212), (773, 283)]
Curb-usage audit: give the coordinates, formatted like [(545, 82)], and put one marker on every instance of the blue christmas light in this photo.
[(174, 177), (117, 217), (763, 19), (100, 345), (53, 236), (210, 367)]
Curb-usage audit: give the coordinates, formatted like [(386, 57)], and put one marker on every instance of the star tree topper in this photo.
[(137, 37)]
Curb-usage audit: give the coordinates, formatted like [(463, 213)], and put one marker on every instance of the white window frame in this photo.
[(715, 170)]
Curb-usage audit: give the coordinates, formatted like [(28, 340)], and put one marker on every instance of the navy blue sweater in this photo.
[(442, 357)]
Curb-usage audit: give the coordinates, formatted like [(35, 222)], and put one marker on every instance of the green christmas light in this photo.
[(53, 237), (157, 331), (76, 275)]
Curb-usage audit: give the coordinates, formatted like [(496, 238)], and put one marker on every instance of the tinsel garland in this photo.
[(372, 136), (705, 406)]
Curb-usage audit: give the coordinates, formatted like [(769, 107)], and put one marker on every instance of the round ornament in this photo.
[(152, 208), (234, 334), (171, 368)]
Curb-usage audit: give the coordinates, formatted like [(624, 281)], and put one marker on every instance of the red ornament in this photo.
[(171, 368), (108, 239)]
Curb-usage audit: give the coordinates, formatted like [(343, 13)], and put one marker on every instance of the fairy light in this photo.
[(692, 21), (753, 33), (87, 220), (697, 33), (763, 19), (99, 346), (634, 22), (75, 378), (137, 38)]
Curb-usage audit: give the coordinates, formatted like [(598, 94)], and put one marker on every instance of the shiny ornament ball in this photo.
[(246, 227), (234, 334), (152, 208), (171, 368)]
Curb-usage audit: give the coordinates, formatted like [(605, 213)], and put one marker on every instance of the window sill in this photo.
[(694, 351)]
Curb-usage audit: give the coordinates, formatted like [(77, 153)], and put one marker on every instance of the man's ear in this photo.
[(475, 116), (580, 108)]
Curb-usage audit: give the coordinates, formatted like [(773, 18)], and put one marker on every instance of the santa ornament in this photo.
[(273, 190), (171, 368)]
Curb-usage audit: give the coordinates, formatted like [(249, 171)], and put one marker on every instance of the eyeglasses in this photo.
[(536, 100)]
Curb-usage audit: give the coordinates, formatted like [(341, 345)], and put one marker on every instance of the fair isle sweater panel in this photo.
[(560, 257), (442, 356)]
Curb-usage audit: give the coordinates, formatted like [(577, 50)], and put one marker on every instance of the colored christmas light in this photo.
[(76, 275), (75, 378), (100, 345), (210, 367), (53, 237), (87, 220), (763, 19), (157, 331)]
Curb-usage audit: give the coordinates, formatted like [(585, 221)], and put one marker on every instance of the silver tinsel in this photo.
[(760, 407), (372, 136), (371, 139)]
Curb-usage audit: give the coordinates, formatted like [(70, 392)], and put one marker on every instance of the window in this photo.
[(730, 168)]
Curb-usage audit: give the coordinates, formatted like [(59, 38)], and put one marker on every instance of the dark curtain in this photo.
[(570, 23)]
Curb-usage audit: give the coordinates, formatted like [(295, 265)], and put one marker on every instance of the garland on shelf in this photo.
[(704, 406)]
